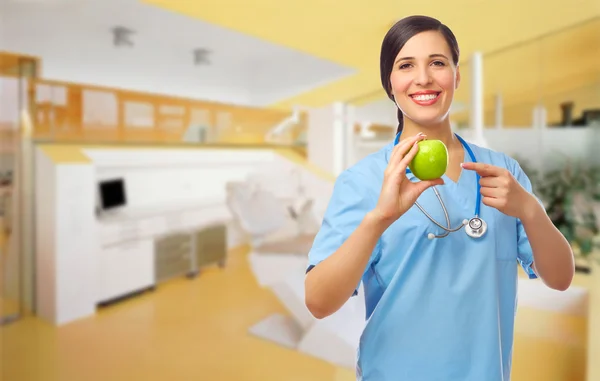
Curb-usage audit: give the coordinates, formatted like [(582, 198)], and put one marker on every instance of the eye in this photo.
[(404, 66), (438, 63)]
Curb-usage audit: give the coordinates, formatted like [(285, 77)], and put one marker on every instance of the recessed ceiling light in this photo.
[(201, 56)]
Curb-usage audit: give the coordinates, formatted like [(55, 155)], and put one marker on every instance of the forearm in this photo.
[(333, 281), (552, 253)]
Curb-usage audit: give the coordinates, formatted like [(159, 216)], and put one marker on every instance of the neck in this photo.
[(441, 131)]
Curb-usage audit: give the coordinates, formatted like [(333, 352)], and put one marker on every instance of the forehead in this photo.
[(424, 44)]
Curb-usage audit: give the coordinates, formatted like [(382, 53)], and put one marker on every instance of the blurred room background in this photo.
[(164, 166)]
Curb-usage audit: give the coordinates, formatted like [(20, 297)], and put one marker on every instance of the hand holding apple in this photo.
[(398, 193)]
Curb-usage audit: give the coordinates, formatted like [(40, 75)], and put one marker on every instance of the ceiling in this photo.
[(529, 46), (73, 38)]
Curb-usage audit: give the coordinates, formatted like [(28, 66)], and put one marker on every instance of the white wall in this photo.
[(328, 137), (2, 22), (9, 96), (362, 148), (320, 136), (382, 111)]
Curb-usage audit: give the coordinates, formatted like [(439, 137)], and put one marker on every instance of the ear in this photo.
[(457, 77)]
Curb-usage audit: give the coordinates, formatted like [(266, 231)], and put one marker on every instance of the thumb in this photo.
[(423, 185)]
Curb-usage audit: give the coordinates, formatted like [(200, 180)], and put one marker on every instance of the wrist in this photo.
[(531, 209), (377, 221)]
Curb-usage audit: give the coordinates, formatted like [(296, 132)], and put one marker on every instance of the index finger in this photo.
[(482, 169), (404, 146)]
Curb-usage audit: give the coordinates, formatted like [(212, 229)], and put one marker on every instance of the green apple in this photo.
[(431, 161)]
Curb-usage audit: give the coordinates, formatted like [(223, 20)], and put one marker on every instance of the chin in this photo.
[(433, 122), (427, 116)]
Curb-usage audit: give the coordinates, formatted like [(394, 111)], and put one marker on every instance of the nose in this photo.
[(422, 76)]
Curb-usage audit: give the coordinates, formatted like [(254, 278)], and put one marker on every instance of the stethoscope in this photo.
[(475, 227)]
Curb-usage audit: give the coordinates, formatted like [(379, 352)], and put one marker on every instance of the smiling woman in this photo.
[(439, 306), (439, 68)]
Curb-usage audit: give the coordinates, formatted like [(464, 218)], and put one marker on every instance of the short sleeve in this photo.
[(350, 201), (525, 253)]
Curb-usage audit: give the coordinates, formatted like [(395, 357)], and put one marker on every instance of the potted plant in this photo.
[(571, 196)]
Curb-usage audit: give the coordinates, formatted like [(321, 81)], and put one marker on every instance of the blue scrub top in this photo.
[(440, 309)]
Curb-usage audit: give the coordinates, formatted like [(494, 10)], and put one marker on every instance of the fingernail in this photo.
[(462, 165)]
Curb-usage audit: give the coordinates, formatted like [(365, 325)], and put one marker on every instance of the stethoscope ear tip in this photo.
[(431, 236)]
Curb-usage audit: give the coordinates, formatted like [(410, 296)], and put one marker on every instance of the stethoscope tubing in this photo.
[(449, 229)]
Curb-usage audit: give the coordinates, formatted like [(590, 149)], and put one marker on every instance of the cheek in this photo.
[(447, 81), (399, 83)]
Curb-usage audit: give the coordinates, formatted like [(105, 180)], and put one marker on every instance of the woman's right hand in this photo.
[(398, 193)]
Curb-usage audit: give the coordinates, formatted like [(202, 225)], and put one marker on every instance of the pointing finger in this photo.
[(483, 169)]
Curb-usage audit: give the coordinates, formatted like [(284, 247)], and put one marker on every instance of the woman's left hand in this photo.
[(501, 190)]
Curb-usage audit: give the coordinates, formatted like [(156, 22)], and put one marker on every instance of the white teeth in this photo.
[(425, 97)]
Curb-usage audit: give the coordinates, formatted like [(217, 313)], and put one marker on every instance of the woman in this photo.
[(438, 309)]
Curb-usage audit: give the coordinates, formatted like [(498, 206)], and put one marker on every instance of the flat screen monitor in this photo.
[(112, 194)]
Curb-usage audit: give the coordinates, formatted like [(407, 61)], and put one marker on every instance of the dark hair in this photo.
[(395, 39)]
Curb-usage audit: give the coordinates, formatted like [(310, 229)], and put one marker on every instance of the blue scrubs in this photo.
[(441, 309)]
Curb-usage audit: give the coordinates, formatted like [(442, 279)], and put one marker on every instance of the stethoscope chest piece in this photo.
[(476, 227)]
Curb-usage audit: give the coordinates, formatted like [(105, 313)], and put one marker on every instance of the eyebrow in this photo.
[(412, 58)]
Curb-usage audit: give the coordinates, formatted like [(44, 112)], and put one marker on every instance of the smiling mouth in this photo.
[(425, 97)]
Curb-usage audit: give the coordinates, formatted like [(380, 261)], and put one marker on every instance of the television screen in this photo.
[(112, 193)]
